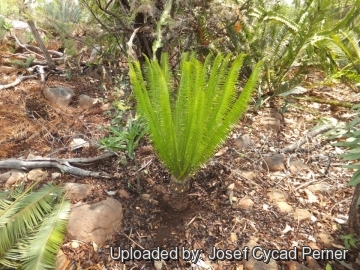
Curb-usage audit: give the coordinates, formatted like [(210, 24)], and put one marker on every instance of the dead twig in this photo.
[(16, 82), (62, 164), (303, 140)]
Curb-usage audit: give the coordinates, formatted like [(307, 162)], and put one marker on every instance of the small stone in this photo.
[(274, 163), (271, 123), (326, 239), (245, 204), (301, 214), (59, 95), (85, 101), (243, 142), (5, 176), (248, 174), (284, 207), (293, 265), (145, 197), (32, 156), (123, 194), (37, 175), (55, 175), (15, 176), (78, 192), (160, 189), (319, 188), (61, 261), (276, 195), (297, 166)]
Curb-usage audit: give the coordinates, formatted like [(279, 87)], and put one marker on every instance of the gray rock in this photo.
[(96, 222), (85, 101), (59, 95), (274, 163)]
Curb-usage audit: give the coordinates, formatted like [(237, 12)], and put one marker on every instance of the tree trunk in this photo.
[(178, 199), (354, 213)]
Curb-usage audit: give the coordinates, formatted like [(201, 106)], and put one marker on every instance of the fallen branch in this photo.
[(303, 140), (62, 164), (16, 82)]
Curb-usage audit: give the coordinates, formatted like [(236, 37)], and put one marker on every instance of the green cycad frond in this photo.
[(32, 226), (187, 131)]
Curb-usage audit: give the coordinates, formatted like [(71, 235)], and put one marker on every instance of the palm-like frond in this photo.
[(186, 132), (32, 226)]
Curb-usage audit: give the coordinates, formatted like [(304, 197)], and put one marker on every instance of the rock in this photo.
[(32, 156), (61, 261), (271, 123), (292, 265), (15, 176), (248, 174), (310, 261), (319, 188), (78, 143), (253, 264), (301, 214), (276, 195), (326, 239), (85, 101), (123, 194), (160, 189), (96, 222), (78, 192), (59, 95), (245, 204), (5, 176), (297, 166), (284, 207), (243, 142), (274, 163), (55, 175), (37, 175), (8, 70)]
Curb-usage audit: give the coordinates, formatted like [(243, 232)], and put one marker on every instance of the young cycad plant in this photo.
[(32, 227), (188, 124)]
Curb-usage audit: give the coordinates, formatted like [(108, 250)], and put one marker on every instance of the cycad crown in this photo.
[(187, 125)]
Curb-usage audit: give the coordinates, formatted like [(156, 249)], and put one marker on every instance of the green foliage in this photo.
[(23, 64), (60, 16), (348, 135), (124, 137), (32, 226), (189, 119), (291, 38), (349, 241)]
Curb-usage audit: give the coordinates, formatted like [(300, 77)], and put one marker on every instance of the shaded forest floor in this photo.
[(232, 200)]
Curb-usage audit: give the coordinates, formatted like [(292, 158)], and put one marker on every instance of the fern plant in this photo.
[(188, 121), (32, 227)]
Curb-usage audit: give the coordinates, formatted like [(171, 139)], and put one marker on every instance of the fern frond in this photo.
[(32, 227)]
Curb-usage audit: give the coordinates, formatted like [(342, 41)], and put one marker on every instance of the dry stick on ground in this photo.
[(303, 140), (62, 164), (16, 82)]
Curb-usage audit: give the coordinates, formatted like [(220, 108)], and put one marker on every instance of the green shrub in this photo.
[(189, 119)]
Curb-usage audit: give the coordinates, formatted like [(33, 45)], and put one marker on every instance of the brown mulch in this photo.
[(30, 125)]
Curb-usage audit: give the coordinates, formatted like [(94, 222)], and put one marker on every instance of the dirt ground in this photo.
[(29, 124)]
